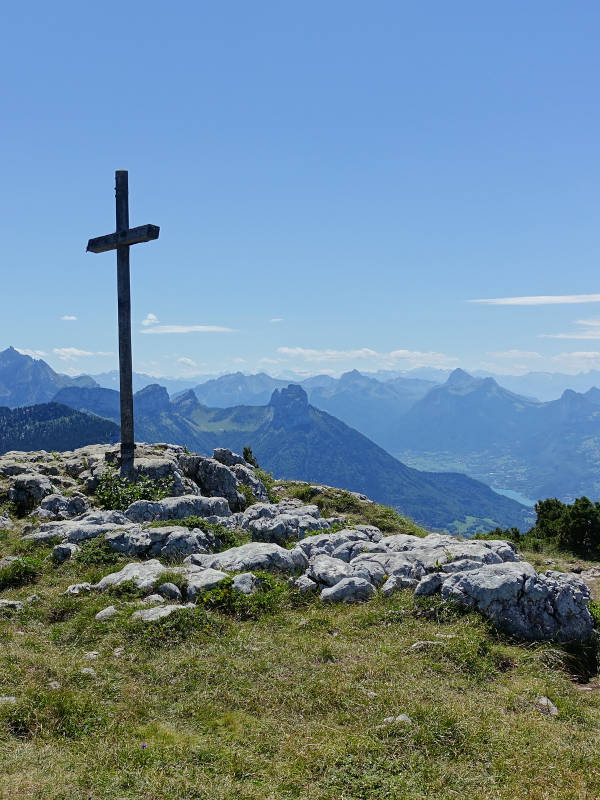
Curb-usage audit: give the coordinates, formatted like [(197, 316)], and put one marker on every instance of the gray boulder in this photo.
[(523, 603), (305, 585), (246, 476), (78, 588), (229, 458), (245, 583), (170, 591), (166, 469), (396, 583), (10, 605), (144, 574), (64, 551), (429, 584), (28, 489), (106, 614), (57, 506), (252, 556), (156, 613), (214, 479), (348, 590), (178, 508), (328, 571), (203, 581), (87, 526), (6, 522)]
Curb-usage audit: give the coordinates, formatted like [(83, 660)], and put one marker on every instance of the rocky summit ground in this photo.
[(236, 636)]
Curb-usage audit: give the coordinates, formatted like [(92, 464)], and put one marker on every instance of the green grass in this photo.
[(281, 697), (332, 502)]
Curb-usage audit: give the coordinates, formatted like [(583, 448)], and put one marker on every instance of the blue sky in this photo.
[(334, 181)]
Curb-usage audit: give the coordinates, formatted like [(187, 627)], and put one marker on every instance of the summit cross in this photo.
[(121, 240)]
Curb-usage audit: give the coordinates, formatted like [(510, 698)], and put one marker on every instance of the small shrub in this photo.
[(176, 628), (268, 598), (269, 483), (115, 492), (249, 499), (97, 553), (125, 590), (249, 457), (19, 573)]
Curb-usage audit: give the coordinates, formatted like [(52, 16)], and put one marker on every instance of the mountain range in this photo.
[(25, 381), (295, 440), (428, 419)]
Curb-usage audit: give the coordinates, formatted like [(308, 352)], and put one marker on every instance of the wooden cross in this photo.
[(121, 240)]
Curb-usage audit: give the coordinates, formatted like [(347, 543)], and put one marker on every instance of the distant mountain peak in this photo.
[(291, 406), (460, 378)]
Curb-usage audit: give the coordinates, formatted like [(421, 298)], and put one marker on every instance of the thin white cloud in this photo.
[(540, 300), (68, 318), (591, 331), (577, 361), (277, 319), (150, 319), (187, 362), (238, 360), (33, 353), (516, 354), (163, 329), (394, 358), (73, 353)]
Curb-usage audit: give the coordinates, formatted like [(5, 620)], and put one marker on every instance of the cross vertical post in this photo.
[(124, 309), (121, 241)]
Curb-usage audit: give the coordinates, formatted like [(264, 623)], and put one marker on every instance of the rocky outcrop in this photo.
[(177, 508), (522, 603)]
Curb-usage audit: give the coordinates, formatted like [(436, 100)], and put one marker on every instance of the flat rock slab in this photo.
[(144, 575), (252, 556), (156, 613), (178, 508)]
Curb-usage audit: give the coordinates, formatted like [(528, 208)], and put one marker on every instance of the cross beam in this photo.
[(121, 240)]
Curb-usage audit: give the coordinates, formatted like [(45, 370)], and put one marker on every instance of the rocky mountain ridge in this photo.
[(325, 555)]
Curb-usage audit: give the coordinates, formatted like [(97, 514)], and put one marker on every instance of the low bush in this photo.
[(97, 553), (270, 596), (19, 572), (115, 492)]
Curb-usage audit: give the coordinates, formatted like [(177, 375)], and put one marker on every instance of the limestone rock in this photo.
[(348, 590), (245, 582), (57, 506), (156, 613), (178, 508), (328, 571), (396, 583), (305, 585), (203, 581), (10, 605), (246, 476), (107, 613), (28, 489), (251, 556), (78, 588), (170, 591), (214, 479), (227, 457), (142, 573), (429, 584), (64, 551), (523, 603)]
